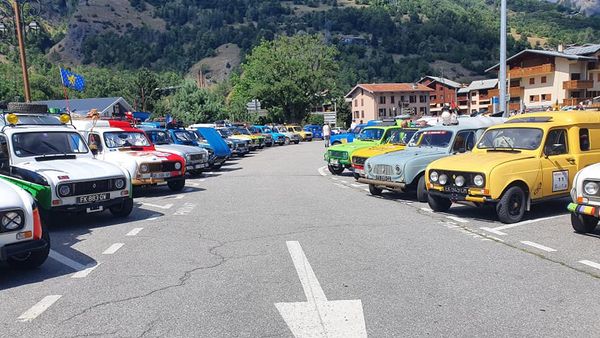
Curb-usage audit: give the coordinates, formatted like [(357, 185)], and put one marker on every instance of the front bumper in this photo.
[(89, 207), (152, 181), (475, 195), (584, 209), (359, 170), (196, 166), (387, 184), (20, 248)]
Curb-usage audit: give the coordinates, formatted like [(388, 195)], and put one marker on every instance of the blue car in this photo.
[(222, 152), (317, 131), (350, 135), (278, 138)]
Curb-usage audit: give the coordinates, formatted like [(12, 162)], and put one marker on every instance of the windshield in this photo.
[(431, 138), (224, 132), (119, 139), (267, 130), (296, 129), (184, 136), (48, 143), (159, 137), (400, 136), (511, 138), (281, 130), (243, 131), (371, 134)]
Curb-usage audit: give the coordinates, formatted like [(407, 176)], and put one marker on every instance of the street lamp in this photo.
[(12, 10)]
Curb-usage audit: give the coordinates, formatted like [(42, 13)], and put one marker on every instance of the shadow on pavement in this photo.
[(162, 191)]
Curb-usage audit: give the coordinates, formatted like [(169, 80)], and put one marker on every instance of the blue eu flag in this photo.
[(72, 80)]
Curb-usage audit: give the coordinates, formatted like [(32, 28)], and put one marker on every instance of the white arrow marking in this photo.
[(319, 317)]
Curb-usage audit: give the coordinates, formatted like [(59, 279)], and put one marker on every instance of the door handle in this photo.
[(571, 160)]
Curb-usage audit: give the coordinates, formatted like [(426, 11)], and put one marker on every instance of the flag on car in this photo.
[(72, 80)]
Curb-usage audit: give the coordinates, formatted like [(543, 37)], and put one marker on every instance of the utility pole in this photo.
[(502, 74), (22, 55)]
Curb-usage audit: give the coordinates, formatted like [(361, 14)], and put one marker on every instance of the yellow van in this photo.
[(530, 158)]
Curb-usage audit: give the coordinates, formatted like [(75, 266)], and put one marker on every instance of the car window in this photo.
[(463, 140), (584, 139), (556, 142), (4, 155)]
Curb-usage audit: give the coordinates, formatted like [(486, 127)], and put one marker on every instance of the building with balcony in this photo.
[(540, 79), (479, 95), (387, 100), (445, 92)]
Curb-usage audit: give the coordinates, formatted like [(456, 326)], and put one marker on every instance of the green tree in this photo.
[(191, 104), (288, 75)]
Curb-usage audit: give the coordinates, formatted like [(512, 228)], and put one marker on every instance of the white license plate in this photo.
[(96, 209), (384, 178), (92, 198), (161, 175), (201, 165), (334, 161)]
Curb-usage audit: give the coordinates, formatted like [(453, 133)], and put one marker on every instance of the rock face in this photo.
[(589, 7)]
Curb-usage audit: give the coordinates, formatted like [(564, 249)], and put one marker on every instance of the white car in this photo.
[(118, 142), (24, 243), (289, 136), (196, 158), (585, 194), (50, 153)]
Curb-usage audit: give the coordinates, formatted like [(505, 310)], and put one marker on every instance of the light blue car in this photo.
[(404, 170)]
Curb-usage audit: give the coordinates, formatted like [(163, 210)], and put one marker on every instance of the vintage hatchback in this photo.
[(404, 171), (530, 158), (585, 208)]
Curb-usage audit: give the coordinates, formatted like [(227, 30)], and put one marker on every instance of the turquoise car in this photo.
[(278, 138)]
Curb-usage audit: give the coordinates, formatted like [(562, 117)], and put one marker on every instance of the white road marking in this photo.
[(343, 182), (322, 171), (113, 248), (66, 261), (193, 184), (426, 209), (357, 185), (538, 246), (175, 197), (185, 209), (85, 272), (341, 185), (38, 308), (318, 317), (134, 231), (498, 231), (367, 190), (590, 263), (166, 206), (458, 219), (493, 230), (335, 178)]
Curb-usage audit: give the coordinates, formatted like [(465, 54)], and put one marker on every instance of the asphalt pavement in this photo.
[(274, 246)]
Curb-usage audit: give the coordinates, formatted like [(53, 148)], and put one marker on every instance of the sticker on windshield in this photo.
[(560, 180)]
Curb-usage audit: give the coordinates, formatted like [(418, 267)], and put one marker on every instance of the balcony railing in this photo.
[(519, 72), (514, 92), (572, 102), (578, 84)]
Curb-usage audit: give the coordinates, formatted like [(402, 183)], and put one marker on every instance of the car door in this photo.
[(558, 164)]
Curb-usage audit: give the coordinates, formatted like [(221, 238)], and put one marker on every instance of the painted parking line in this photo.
[(538, 246), (343, 182), (426, 209), (193, 184), (498, 230), (322, 171), (335, 178), (185, 209), (38, 308), (66, 261), (166, 206), (357, 185), (367, 190), (174, 197), (134, 232), (457, 219), (85, 272), (113, 248), (590, 263)]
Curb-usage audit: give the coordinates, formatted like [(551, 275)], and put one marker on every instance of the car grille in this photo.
[(161, 167), (359, 160), (90, 187), (196, 157), (337, 154), (383, 169)]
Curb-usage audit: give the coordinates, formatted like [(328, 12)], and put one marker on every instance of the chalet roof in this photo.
[(586, 49), (390, 87), (551, 53), (442, 80), (483, 84)]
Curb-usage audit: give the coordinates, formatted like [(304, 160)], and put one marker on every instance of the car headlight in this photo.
[(459, 181), (591, 188), (64, 190), (119, 183), (188, 157), (478, 180), (443, 179), (398, 170), (433, 176), (177, 165), (12, 220), (144, 168)]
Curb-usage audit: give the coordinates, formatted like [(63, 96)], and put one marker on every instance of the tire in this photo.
[(124, 209), (374, 190), (421, 189), (32, 260), (511, 207), (583, 223), (287, 141), (27, 108), (356, 176), (336, 143), (336, 170), (296, 142), (261, 147), (176, 185), (438, 204)]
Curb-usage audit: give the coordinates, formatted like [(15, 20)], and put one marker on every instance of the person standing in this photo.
[(326, 134)]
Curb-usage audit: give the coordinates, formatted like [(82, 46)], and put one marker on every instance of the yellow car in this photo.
[(396, 141), (305, 136), (530, 158)]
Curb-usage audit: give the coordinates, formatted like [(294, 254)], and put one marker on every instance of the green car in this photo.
[(339, 157)]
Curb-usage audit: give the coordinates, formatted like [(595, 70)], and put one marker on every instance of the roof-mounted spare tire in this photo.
[(27, 108)]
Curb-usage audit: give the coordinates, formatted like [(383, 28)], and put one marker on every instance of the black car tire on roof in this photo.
[(27, 108), (583, 223), (176, 185), (438, 204), (32, 260)]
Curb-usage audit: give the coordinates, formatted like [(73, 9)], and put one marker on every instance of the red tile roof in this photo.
[(391, 87)]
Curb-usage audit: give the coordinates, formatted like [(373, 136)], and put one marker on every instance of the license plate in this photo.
[(334, 161), (383, 178), (201, 165), (94, 209), (457, 190), (92, 198), (161, 175)]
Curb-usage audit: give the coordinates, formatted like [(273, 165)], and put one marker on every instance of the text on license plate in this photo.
[(457, 190), (383, 178), (161, 175), (92, 198)]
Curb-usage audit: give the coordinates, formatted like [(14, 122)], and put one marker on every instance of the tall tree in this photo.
[(191, 104), (288, 75)]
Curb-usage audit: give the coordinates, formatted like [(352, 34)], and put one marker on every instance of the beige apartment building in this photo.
[(540, 79), (387, 100)]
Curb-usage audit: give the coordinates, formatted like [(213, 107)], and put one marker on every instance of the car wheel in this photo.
[(374, 190), (287, 141), (438, 204), (336, 143), (336, 170), (32, 260), (176, 185), (511, 207), (421, 189), (124, 209), (583, 223), (296, 142), (356, 176)]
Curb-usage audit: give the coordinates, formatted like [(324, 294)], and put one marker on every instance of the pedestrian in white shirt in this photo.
[(326, 134)]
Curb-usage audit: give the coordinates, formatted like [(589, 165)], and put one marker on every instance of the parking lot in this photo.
[(274, 246)]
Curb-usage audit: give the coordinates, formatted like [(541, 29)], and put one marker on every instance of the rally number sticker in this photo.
[(560, 180)]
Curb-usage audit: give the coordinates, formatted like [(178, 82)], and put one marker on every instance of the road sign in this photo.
[(253, 105), (330, 117)]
